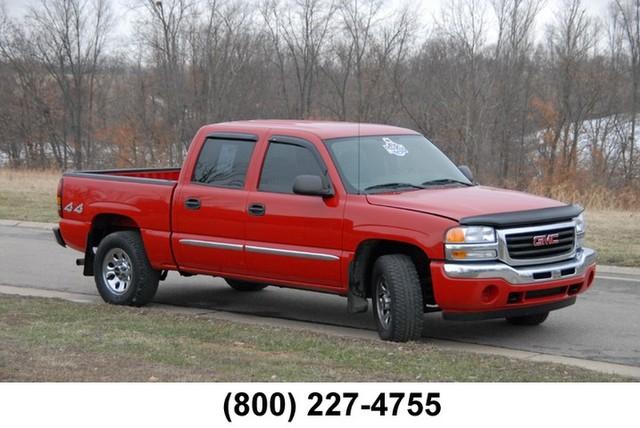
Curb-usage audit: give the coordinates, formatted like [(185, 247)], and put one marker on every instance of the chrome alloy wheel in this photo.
[(117, 271), (383, 303)]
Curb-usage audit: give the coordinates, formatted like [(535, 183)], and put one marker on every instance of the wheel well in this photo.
[(361, 267), (101, 226)]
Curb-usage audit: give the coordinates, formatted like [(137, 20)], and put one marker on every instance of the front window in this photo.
[(372, 164), (283, 163)]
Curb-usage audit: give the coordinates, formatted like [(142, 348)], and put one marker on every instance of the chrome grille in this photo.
[(555, 242), (521, 245)]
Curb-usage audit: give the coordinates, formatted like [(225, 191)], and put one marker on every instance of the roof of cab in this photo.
[(321, 129)]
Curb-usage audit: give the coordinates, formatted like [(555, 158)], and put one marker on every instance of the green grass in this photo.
[(54, 340)]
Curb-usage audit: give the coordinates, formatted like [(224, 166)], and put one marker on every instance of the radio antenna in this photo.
[(359, 120), (359, 153)]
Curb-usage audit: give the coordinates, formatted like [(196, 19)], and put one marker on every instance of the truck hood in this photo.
[(459, 202)]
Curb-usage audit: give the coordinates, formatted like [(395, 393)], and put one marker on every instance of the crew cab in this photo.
[(370, 212)]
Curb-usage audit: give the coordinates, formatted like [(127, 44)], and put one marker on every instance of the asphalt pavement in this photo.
[(604, 325)]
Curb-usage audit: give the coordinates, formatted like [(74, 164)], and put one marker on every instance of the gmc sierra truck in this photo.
[(369, 212)]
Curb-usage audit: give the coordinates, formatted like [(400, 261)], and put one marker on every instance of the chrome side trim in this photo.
[(212, 244), (489, 270), (291, 253)]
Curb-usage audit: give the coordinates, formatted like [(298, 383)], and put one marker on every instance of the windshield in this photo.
[(392, 163)]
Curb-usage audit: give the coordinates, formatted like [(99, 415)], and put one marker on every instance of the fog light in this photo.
[(458, 254), (472, 254), (489, 293)]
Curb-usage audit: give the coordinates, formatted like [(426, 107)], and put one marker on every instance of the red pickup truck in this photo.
[(359, 210)]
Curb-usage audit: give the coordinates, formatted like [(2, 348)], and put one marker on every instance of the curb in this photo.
[(621, 270), (346, 332), (28, 224)]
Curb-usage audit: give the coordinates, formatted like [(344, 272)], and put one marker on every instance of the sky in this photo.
[(595, 7), (428, 9)]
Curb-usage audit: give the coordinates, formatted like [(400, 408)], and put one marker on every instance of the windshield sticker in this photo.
[(394, 148)]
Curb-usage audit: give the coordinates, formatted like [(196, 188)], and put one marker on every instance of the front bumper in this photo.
[(524, 275), (509, 312), (483, 290)]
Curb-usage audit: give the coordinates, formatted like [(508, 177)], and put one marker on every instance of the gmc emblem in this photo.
[(543, 240)]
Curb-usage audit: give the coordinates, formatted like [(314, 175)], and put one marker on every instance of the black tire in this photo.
[(399, 275), (244, 286), (128, 247), (535, 319)]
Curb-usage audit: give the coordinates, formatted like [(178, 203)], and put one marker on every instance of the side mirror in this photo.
[(467, 172), (311, 185)]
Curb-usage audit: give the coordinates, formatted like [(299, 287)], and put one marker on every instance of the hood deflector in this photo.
[(524, 218)]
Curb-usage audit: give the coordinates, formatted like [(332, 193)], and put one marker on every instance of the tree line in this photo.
[(514, 98)]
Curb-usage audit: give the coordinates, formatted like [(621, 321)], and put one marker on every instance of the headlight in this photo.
[(471, 243), (581, 225), (470, 235), (581, 229)]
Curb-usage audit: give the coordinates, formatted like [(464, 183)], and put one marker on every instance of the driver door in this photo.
[(290, 237)]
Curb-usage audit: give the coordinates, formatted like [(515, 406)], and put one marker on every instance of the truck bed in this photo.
[(167, 174), (139, 198)]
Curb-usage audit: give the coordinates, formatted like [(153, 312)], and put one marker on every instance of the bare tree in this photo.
[(513, 73), (574, 90), (299, 30), (626, 14), (164, 28), (350, 46), (463, 23), (68, 39)]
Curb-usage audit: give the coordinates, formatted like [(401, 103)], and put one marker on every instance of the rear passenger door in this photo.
[(209, 210), (293, 238)]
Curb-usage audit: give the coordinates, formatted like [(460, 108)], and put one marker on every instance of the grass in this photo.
[(54, 340), (616, 236), (28, 195)]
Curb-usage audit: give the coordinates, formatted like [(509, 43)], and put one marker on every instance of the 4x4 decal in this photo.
[(78, 209)]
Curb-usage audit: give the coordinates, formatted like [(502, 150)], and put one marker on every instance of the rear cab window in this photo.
[(223, 162)]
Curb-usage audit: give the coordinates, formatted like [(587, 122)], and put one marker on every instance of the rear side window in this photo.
[(223, 162), (283, 163)]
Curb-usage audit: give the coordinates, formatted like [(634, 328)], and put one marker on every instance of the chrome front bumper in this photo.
[(573, 267)]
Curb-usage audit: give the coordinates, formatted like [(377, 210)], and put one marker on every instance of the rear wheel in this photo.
[(534, 319), (397, 298), (122, 272), (239, 285)]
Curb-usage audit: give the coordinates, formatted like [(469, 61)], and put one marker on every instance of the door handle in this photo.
[(192, 204), (257, 209)]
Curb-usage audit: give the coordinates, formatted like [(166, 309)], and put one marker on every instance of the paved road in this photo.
[(604, 325)]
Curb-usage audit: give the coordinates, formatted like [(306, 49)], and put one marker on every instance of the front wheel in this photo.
[(397, 298), (122, 271), (534, 319)]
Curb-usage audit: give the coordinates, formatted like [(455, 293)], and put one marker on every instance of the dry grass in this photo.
[(614, 232), (592, 197), (616, 236), (28, 195), (54, 340)]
